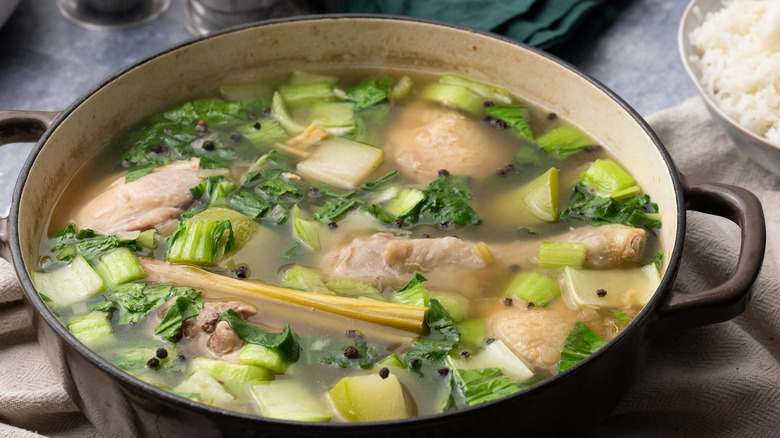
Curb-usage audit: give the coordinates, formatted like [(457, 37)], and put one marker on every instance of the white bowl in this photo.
[(757, 148)]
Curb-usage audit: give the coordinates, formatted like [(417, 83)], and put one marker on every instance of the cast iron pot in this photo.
[(120, 405)]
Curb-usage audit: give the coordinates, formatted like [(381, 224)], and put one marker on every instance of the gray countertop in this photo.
[(47, 62)]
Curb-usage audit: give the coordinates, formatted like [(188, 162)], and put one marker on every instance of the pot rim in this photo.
[(636, 327)]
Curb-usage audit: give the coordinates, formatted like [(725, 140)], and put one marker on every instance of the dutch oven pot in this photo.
[(120, 405)]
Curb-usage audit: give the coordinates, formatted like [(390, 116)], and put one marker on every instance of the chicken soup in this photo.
[(356, 247)]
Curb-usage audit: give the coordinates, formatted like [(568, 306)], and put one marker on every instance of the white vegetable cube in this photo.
[(495, 355), (369, 398), (289, 400), (209, 389), (342, 163), (613, 288), (68, 284)]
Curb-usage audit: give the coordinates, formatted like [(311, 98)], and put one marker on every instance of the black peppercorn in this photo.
[(161, 353), (601, 292), (443, 371), (332, 225), (351, 352), (240, 271), (507, 301), (209, 145), (257, 126), (464, 354), (531, 305), (415, 363), (384, 372), (444, 172), (153, 363)]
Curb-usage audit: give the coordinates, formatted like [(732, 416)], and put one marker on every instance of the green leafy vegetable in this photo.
[(248, 204), (362, 355), (445, 201), (286, 341), (516, 117), (333, 208), (132, 301), (179, 311), (137, 172), (581, 343), (636, 212), (200, 243), (413, 293), (370, 93), (484, 384)]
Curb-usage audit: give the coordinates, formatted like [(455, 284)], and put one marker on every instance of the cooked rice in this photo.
[(739, 58)]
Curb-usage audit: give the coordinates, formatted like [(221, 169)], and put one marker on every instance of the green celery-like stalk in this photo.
[(413, 294), (533, 287), (200, 243), (118, 266), (302, 93), (559, 254), (263, 132), (608, 179), (564, 141), (405, 202), (487, 91), (517, 118), (455, 96)]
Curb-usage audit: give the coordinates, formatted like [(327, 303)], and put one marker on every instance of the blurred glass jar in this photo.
[(204, 16), (112, 14)]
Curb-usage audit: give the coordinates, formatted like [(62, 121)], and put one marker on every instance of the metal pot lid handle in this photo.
[(729, 299), (20, 127)]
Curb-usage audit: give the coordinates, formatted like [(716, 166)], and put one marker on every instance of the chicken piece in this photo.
[(382, 258), (425, 140), (609, 246), (207, 334), (536, 334), (224, 340), (207, 319), (149, 201)]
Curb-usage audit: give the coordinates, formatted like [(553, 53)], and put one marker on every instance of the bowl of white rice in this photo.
[(731, 50)]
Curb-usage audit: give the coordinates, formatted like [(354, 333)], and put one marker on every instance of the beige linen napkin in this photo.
[(719, 380)]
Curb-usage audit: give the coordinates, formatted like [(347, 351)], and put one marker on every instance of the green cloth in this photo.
[(561, 27)]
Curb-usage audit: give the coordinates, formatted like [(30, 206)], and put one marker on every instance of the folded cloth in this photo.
[(716, 381), (561, 27)]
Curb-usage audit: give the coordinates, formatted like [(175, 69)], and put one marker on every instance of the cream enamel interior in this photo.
[(328, 43)]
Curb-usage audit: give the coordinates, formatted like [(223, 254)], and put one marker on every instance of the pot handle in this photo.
[(20, 127), (723, 302)]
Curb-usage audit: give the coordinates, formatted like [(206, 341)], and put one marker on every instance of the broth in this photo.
[(453, 203)]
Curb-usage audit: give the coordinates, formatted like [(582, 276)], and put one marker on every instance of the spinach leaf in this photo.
[(179, 311), (581, 343), (484, 384), (516, 117), (432, 350), (212, 111), (413, 294), (364, 355), (333, 208), (63, 238), (370, 93), (636, 212), (248, 204), (137, 172), (286, 341), (132, 301), (445, 201), (160, 143)]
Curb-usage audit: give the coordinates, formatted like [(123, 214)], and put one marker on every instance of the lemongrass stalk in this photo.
[(399, 316)]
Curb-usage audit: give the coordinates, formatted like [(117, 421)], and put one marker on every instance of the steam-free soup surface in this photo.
[(367, 247)]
